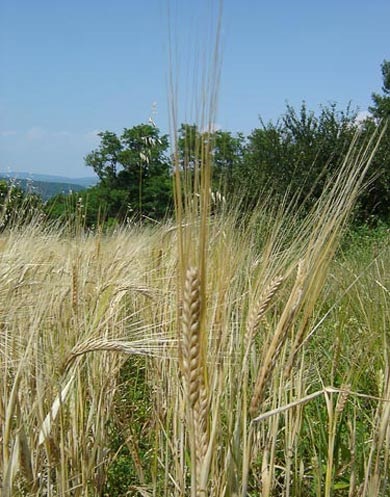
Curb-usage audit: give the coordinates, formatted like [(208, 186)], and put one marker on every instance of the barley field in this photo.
[(216, 354)]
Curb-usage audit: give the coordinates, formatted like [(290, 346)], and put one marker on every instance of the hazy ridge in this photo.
[(47, 185)]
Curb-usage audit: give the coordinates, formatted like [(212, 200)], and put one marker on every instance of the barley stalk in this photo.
[(75, 289)]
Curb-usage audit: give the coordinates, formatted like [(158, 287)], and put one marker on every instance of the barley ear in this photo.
[(194, 373), (272, 353), (260, 309), (190, 344)]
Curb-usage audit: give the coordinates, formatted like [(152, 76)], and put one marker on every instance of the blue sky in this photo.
[(72, 68)]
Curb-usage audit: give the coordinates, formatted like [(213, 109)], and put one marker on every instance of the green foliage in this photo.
[(189, 146), (265, 159), (297, 154), (99, 205), (136, 168), (381, 107), (227, 151), (228, 156), (375, 201), (129, 432), (291, 159)]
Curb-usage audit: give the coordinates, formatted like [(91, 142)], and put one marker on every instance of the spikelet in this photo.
[(259, 310), (201, 429), (194, 370), (342, 398), (190, 344)]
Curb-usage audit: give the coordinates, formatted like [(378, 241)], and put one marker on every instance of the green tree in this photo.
[(189, 146), (96, 205), (317, 145), (228, 153), (295, 155), (264, 162), (381, 107), (105, 160), (375, 201), (136, 166)]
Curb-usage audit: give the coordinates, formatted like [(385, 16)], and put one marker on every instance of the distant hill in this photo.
[(47, 185), (46, 189), (50, 178)]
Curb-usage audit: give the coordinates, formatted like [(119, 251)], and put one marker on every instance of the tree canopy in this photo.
[(134, 170), (381, 107), (291, 158)]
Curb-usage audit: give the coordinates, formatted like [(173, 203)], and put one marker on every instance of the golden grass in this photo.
[(265, 356), (231, 401)]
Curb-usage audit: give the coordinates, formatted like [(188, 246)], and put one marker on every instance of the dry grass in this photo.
[(271, 374), (265, 356), (53, 418)]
